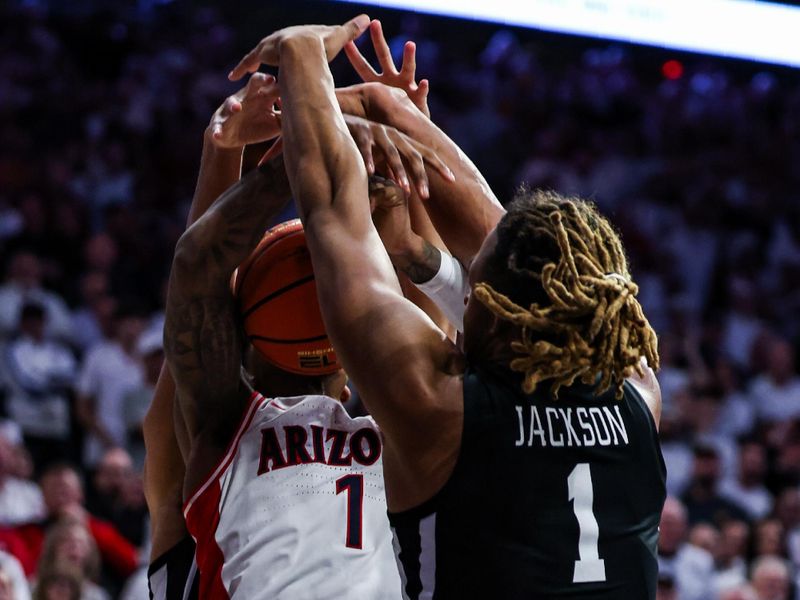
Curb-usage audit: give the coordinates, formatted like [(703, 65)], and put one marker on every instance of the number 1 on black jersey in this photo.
[(590, 567)]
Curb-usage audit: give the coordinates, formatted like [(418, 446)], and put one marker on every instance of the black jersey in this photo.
[(548, 499), (173, 575)]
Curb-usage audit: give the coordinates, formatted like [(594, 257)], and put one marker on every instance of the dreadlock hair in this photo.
[(559, 257)]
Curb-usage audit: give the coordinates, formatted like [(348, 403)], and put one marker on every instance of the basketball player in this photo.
[(246, 117), (266, 479), (527, 466)]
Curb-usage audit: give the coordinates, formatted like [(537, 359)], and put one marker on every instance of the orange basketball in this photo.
[(277, 298)]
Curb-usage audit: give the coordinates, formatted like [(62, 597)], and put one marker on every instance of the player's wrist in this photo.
[(296, 46), (213, 144), (418, 259)]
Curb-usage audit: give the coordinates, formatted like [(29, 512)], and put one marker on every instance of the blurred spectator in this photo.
[(665, 588), (676, 451), (93, 317), (137, 401), (24, 284), (58, 585), (742, 325), (771, 578), (40, 372), (12, 571), (691, 566), (705, 536), (673, 377), (113, 495), (769, 538), (783, 440), (6, 586), (776, 393), (701, 406), (787, 510), (69, 547), (63, 497), (702, 500), (107, 483), (742, 592), (731, 558), (748, 491), (737, 415), (110, 370), (20, 500)]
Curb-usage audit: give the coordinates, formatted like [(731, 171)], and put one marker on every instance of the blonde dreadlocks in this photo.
[(564, 260)]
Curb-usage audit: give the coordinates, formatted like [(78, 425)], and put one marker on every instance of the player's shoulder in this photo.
[(649, 390), (312, 407)]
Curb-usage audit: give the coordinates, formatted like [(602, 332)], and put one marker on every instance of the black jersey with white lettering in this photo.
[(548, 499), (173, 575)]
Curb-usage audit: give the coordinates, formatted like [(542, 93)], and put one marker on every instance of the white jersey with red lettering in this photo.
[(296, 509)]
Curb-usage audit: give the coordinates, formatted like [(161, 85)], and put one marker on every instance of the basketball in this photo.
[(277, 299)]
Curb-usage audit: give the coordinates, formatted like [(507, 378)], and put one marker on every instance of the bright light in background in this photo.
[(760, 31)]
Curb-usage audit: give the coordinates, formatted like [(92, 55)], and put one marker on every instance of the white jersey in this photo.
[(296, 509)]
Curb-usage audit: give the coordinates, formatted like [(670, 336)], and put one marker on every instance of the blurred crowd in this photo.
[(102, 118)]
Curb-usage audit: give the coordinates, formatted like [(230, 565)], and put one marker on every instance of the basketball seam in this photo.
[(240, 279), (275, 294)]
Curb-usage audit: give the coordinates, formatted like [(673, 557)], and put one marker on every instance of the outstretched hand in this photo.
[(403, 79), (249, 115), (389, 206), (334, 37), (405, 157)]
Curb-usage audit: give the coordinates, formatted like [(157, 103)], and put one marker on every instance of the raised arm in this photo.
[(399, 360), (202, 342), (245, 117), (416, 250), (411, 242), (464, 213)]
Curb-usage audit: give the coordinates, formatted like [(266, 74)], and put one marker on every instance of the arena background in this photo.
[(694, 158)]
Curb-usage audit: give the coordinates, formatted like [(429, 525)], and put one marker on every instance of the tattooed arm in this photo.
[(202, 342), (409, 237)]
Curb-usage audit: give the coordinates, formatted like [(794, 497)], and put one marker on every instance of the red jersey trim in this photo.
[(254, 403)]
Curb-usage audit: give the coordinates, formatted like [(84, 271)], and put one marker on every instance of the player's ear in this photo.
[(346, 394)]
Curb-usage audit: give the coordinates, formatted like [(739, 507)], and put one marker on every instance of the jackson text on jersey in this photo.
[(570, 426)]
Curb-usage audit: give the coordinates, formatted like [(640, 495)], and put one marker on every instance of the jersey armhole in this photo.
[(651, 421), (182, 548), (253, 403), (640, 402), (430, 506)]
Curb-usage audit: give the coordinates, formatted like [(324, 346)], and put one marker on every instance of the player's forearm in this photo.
[(219, 169), (465, 211), (201, 340), (419, 261), (224, 236), (320, 153)]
